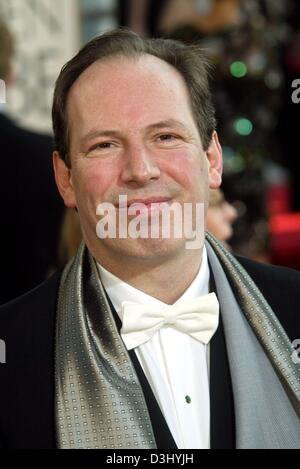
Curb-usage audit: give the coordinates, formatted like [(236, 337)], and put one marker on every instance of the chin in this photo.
[(147, 249)]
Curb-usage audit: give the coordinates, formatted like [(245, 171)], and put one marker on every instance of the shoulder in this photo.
[(27, 330), (281, 288), (266, 275)]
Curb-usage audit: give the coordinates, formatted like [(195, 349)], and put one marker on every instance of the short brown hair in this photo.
[(189, 60), (6, 50)]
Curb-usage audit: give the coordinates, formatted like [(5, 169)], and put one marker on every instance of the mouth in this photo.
[(148, 202), (140, 206)]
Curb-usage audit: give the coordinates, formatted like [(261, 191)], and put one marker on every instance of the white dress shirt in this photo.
[(175, 364)]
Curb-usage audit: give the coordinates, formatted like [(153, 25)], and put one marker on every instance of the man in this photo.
[(147, 342), (32, 209)]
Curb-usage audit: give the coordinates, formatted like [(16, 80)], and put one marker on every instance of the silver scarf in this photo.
[(99, 400)]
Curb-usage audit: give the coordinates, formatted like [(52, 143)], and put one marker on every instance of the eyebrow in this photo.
[(167, 123), (115, 133)]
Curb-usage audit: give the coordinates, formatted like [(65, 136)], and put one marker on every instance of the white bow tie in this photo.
[(198, 317)]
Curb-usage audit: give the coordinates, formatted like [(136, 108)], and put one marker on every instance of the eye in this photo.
[(167, 137), (101, 145), (167, 140), (101, 149)]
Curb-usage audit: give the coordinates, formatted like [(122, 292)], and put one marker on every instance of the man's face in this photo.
[(132, 133)]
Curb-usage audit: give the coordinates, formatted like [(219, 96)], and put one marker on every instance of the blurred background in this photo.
[(255, 49)]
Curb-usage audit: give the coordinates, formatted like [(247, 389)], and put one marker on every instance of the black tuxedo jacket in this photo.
[(27, 325), (30, 207)]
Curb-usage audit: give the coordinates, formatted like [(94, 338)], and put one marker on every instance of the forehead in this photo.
[(117, 89)]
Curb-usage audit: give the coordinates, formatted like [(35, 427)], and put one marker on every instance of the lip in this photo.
[(148, 202)]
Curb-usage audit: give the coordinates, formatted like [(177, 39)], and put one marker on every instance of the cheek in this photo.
[(191, 171), (94, 180)]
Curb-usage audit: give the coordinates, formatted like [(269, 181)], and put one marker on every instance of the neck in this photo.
[(165, 280)]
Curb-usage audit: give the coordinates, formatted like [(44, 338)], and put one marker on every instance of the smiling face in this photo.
[(132, 132)]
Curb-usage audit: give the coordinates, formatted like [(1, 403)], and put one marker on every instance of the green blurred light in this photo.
[(243, 126), (238, 69)]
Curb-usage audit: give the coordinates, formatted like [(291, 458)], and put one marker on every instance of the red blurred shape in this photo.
[(284, 229)]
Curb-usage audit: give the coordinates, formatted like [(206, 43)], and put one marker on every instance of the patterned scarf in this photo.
[(99, 400)]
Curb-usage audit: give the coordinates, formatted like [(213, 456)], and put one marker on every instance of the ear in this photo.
[(215, 161), (63, 178)]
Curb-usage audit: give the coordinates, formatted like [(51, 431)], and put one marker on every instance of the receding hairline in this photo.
[(189, 60), (128, 57), (119, 57)]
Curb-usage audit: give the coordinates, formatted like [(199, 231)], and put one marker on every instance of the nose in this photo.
[(139, 167)]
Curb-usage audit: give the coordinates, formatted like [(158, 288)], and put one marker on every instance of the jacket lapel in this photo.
[(163, 436), (222, 427)]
